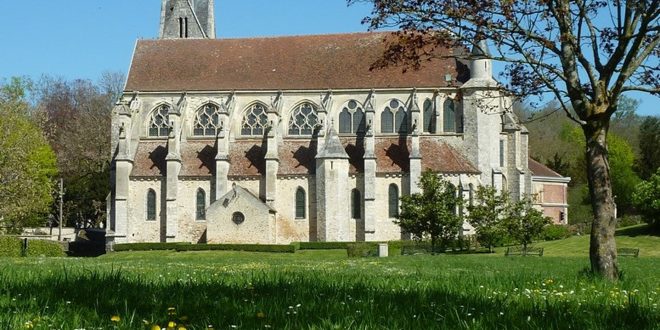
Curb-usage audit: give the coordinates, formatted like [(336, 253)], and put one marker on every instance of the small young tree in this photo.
[(431, 213), (647, 199), (523, 222), (486, 215)]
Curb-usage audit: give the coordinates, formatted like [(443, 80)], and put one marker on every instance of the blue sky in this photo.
[(83, 38)]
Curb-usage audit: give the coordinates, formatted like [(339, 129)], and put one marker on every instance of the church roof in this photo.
[(297, 157), (333, 61), (539, 169)]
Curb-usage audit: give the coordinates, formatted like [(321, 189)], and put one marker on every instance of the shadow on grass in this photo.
[(640, 230), (294, 300)]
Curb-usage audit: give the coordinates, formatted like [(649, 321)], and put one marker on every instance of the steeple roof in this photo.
[(333, 147)]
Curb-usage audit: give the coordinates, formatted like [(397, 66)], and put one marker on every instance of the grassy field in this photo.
[(326, 290)]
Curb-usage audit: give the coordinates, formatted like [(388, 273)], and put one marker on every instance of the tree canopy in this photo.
[(27, 163), (432, 213)]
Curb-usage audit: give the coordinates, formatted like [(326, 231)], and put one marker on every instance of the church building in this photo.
[(280, 139)]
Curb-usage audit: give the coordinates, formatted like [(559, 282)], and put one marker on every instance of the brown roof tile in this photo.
[(150, 159), (198, 158), (246, 158), (297, 157), (277, 63), (441, 157), (539, 169)]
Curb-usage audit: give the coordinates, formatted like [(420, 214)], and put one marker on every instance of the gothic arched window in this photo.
[(200, 205), (429, 117), (356, 204), (300, 203), (255, 120), (207, 121), (394, 118), (352, 118), (303, 119), (151, 204), (393, 201), (449, 117), (159, 125)]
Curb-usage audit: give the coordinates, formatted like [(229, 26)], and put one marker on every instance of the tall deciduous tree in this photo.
[(433, 212), (76, 118), (27, 163), (585, 53)]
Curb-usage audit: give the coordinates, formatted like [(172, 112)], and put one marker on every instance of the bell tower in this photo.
[(187, 19)]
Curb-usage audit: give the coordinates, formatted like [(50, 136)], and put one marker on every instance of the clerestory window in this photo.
[(207, 121), (255, 120), (449, 117), (352, 118), (159, 125), (429, 117), (303, 119), (394, 118)]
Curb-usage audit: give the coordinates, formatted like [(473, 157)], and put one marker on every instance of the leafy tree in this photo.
[(523, 222), (433, 212), (27, 163), (76, 117), (647, 199), (624, 178), (649, 145), (585, 53), (485, 215)]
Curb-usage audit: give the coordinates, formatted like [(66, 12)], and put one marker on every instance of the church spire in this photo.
[(181, 19)]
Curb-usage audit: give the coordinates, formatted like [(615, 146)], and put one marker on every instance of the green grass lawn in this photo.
[(630, 237), (326, 290)]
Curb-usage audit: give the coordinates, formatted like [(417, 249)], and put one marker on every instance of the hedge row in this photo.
[(146, 246), (179, 247), (323, 245), (13, 247)]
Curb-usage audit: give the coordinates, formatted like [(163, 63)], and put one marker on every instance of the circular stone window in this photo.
[(238, 218)]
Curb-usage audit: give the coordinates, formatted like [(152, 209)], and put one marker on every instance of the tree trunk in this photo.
[(602, 249)]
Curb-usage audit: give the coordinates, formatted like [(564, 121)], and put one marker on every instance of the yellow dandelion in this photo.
[(181, 327), (155, 327), (29, 325), (115, 318), (261, 315), (171, 325)]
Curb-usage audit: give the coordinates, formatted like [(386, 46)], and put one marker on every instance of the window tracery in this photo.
[(352, 118), (394, 118), (255, 120), (207, 121), (303, 119), (159, 125)]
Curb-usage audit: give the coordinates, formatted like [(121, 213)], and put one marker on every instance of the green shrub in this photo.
[(362, 249), (555, 232), (42, 248), (629, 220), (323, 245), (394, 248), (10, 246), (146, 246), (237, 247)]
